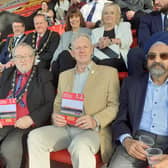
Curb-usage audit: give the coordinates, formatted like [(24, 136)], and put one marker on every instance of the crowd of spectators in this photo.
[(85, 59)]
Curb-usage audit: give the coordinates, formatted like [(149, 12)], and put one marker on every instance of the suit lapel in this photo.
[(71, 81), (22, 38), (158, 22), (44, 39), (140, 94), (91, 78)]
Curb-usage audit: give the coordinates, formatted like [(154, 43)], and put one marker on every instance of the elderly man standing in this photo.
[(44, 41), (100, 87), (32, 88), (143, 109)]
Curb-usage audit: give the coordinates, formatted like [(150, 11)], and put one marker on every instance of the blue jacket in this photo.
[(149, 24)]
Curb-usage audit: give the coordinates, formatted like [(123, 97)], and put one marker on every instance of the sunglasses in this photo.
[(152, 56)]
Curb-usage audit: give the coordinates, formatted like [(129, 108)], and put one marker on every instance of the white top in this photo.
[(85, 10), (64, 5)]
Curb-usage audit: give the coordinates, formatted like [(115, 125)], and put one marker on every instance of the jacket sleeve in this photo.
[(108, 114), (122, 125), (4, 53), (42, 111)]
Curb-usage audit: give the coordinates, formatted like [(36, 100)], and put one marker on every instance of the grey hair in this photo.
[(32, 51), (79, 35)]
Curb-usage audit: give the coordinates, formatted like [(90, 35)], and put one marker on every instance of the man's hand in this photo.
[(135, 148), (58, 120), (24, 122), (9, 64), (1, 126), (162, 161), (86, 122)]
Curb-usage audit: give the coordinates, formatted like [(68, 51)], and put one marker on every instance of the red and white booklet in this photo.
[(72, 106), (7, 111)]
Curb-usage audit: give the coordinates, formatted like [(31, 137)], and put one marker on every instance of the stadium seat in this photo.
[(63, 156)]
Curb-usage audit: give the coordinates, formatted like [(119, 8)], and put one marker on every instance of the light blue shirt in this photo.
[(155, 113), (80, 80)]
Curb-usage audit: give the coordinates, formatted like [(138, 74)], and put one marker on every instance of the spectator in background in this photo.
[(44, 41), (61, 8), (143, 110), (132, 10), (91, 133), (92, 12), (112, 41), (18, 28), (154, 22), (48, 13), (63, 59), (76, 4), (32, 87)]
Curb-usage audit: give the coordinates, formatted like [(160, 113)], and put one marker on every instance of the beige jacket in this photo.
[(101, 94)]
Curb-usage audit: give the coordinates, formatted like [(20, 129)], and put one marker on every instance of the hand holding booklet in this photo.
[(72, 106), (7, 111)]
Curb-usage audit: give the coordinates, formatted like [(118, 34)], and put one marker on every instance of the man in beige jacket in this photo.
[(91, 133)]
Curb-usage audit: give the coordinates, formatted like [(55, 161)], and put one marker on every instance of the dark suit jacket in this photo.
[(4, 55), (47, 54), (40, 96), (132, 98), (149, 24)]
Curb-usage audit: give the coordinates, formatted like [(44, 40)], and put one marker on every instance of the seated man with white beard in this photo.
[(143, 110), (34, 93)]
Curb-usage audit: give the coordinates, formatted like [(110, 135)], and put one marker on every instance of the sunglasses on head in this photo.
[(152, 56)]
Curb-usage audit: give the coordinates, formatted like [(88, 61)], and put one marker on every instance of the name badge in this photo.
[(7, 111)]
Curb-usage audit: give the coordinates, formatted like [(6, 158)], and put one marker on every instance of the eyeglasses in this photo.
[(19, 57), (152, 56)]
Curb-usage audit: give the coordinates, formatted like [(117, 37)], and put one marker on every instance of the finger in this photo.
[(84, 126), (139, 155)]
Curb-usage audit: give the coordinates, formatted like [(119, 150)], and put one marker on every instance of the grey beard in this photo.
[(157, 72)]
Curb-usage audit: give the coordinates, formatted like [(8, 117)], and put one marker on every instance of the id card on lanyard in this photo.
[(8, 111)]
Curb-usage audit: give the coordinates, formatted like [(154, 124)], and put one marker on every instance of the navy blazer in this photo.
[(132, 98), (149, 24), (4, 55)]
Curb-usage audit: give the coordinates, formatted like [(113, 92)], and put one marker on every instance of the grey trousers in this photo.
[(82, 145), (121, 159), (13, 141)]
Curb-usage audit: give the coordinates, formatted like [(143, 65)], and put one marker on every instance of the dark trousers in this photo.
[(13, 146)]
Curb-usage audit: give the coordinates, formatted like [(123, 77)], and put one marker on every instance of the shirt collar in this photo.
[(27, 74), (19, 36), (88, 68)]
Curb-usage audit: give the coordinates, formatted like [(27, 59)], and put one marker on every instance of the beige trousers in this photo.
[(82, 145)]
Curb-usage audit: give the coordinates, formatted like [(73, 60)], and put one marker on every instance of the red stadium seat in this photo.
[(122, 75), (135, 40), (63, 156)]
